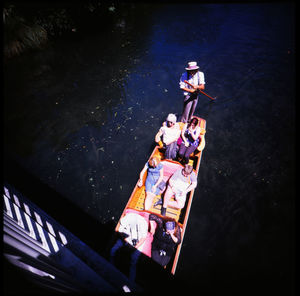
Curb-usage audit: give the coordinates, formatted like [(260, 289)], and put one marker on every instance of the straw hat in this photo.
[(192, 66)]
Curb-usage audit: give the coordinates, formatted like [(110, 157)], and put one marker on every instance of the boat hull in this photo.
[(136, 201)]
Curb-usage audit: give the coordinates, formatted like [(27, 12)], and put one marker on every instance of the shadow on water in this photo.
[(55, 205)]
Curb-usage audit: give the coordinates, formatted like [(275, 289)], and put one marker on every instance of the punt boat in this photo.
[(136, 201)]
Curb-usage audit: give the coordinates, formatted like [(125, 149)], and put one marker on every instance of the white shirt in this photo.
[(135, 226), (181, 183), (170, 134), (197, 79)]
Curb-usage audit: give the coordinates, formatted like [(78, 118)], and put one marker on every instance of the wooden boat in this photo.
[(136, 201)]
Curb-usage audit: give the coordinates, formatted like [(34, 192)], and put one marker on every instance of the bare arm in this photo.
[(140, 242), (190, 90), (183, 132), (140, 181), (201, 87), (152, 226), (192, 186), (158, 136)]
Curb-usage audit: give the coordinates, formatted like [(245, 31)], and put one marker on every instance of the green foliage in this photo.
[(20, 36), (55, 21)]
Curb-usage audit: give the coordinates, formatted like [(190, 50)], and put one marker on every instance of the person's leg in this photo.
[(134, 258), (149, 200), (188, 152), (181, 151), (119, 244), (173, 150), (168, 195), (187, 104), (168, 152), (193, 107), (178, 203)]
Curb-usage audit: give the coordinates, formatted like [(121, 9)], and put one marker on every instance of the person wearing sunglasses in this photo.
[(168, 135)]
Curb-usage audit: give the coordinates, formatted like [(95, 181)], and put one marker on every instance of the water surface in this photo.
[(82, 116)]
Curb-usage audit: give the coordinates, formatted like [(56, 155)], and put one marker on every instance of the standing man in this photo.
[(196, 78)]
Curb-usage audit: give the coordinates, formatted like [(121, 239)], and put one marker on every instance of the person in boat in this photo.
[(180, 183), (154, 183), (133, 231), (166, 236), (168, 135), (190, 136), (196, 78)]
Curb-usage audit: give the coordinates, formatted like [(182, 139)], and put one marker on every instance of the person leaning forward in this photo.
[(168, 135), (181, 182), (196, 78)]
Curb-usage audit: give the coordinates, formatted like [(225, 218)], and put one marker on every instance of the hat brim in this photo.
[(192, 68)]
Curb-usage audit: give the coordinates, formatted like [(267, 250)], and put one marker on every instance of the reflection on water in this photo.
[(86, 124)]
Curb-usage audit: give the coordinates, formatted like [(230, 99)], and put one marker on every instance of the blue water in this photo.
[(86, 126)]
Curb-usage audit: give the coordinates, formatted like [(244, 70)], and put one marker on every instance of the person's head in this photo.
[(171, 119), (187, 170), (193, 122), (192, 68), (153, 162), (170, 225)]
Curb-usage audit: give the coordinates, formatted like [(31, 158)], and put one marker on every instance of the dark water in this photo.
[(82, 115)]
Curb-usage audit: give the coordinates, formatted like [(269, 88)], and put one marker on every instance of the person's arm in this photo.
[(178, 235), (141, 241), (190, 90), (153, 226), (158, 136), (183, 85), (140, 181), (183, 132), (202, 143), (201, 81), (193, 185), (158, 220), (173, 236), (200, 86), (183, 136)]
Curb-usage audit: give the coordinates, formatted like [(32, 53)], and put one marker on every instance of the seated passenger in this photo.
[(133, 231), (168, 135), (154, 182), (166, 236), (181, 182), (190, 140)]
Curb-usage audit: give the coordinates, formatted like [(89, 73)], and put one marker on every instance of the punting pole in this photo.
[(200, 90)]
